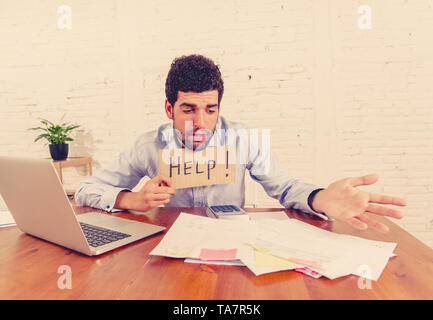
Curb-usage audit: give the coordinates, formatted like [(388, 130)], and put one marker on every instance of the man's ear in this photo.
[(169, 109)]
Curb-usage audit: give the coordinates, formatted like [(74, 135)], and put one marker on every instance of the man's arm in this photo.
[(101, 190), (291, 192), (341, 200)]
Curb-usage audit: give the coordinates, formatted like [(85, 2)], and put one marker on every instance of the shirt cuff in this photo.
[(303, 204), (310, 204), (109, 198)]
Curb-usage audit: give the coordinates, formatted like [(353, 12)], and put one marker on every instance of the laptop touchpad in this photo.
[(103, 220)]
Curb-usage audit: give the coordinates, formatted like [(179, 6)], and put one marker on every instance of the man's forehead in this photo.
[(210, 96)]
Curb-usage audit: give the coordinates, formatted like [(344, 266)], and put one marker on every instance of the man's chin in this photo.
[(194, 145)]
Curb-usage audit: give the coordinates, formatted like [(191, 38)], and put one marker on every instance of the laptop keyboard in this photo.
[(97, 236)]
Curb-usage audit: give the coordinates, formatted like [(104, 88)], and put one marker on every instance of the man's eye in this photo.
[(211, 111), (187, 111)]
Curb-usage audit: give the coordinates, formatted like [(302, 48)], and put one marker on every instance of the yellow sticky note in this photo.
[(259, 248), (270, 261), (180, 253)]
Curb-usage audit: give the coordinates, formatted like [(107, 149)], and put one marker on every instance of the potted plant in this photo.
[(57, 135)]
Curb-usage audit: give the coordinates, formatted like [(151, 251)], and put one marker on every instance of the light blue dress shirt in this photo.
[(101, 190)]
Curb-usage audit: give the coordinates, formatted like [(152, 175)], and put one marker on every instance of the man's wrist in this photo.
[(311, 200), (123, 200)]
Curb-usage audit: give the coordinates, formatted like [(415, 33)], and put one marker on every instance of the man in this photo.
[(194, 90)]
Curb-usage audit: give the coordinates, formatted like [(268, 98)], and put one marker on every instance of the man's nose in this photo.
[(199, 119)]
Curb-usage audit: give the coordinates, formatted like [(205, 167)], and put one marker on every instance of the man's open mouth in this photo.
[(198, 136)]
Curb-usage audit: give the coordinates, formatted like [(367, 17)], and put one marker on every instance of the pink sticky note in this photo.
[(309, 272), (218, 254)]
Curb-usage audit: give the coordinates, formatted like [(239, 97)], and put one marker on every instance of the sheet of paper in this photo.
[(369, 259), (283, 239), (269, 245), (257, 259), (191, 233), (236, 262), (6, 219), (275, 215), (332, 255)]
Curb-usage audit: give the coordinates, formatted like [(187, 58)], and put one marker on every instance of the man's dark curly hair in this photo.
[(194, 73)]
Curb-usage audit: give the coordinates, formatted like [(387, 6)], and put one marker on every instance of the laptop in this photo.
[(37, 201)]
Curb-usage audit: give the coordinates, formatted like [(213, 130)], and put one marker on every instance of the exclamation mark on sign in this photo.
[(227, 162)]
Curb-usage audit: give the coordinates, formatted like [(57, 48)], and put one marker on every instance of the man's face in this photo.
[(194, 115)]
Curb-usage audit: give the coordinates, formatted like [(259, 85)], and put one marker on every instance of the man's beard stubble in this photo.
[(185, 142)]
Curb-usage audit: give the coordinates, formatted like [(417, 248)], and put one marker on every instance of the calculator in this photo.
[(226, 212)]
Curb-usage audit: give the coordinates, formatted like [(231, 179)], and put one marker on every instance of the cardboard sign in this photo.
[(187, 168)]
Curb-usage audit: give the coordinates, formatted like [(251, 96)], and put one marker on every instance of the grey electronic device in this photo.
[(226, 212)]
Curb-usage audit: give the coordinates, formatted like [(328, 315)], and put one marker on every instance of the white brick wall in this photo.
[(384, 103), (340, 101)]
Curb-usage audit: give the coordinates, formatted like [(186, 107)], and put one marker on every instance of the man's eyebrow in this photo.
[(190, 105)]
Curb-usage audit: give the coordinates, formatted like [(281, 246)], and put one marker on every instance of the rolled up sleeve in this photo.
[(101, 190), (279, 184)]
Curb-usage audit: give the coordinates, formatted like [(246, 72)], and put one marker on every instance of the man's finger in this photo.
[(159, 196), (373, 223), (162, 179), (364, 180), (354, 222), (379, 198), (384, 211), (159, 203), (167, 190)]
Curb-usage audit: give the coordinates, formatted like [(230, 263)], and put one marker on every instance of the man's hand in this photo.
[(154, 193), (343, 201)]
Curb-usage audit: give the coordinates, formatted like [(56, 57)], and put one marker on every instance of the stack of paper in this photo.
[(6, 219), (270, 245)]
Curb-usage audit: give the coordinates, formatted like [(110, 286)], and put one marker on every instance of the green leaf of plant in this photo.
[(46, 122), (71, 128), (45, 135), (37, 128), (55, 134)]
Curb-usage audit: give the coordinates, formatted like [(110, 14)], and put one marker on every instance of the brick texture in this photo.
[(340, 101)]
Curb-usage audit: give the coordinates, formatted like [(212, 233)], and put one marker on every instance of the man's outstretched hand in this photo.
[(343, 201)]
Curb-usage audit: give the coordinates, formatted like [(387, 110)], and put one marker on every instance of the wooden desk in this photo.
[(28, 270)]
